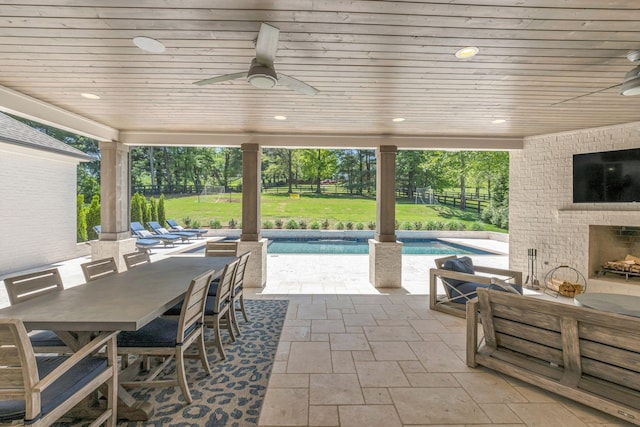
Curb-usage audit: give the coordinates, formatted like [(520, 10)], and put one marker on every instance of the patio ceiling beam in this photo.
[(31, 108), (299, 140)]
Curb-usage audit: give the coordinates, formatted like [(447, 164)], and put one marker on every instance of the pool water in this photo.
[(409, 247)]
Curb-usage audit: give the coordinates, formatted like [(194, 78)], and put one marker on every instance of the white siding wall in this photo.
[(542, 214), (37, 208)]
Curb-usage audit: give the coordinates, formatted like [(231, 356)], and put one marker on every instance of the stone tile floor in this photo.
[(353, 355)]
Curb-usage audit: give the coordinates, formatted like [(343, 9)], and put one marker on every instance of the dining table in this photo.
[(125, 301)]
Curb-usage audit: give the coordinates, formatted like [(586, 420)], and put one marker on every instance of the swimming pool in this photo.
[(361, 246)]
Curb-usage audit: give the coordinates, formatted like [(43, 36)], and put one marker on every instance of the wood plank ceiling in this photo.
[(544, 65)]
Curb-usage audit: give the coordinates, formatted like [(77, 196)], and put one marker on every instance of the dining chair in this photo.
[(135, 259), (38, 390), (218, 307), (170, 338), (98, 269), (221, 248), (237, 291), (27, 286)]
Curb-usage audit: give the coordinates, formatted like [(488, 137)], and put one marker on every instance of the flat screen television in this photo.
[(607, 177)]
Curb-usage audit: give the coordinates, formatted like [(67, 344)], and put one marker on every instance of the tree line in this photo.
[(169, 170)]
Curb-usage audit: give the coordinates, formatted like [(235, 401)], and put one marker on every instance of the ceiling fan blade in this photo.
[(219, 79), (297, 85), (267, 44), (586, 94)]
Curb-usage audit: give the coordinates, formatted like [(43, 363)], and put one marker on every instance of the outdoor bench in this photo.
[(587, 355)]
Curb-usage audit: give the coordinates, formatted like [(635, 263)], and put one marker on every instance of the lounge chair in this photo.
[(141, 233), (141, 243), (173, 226), (460, 280), (161, 231)]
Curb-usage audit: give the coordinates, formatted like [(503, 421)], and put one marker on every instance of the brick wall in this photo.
[(542, 214), (37, 208)]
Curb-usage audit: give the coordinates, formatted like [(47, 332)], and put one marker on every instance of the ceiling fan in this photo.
[(262, 73), (630, 85)]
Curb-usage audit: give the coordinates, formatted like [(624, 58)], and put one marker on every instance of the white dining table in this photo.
[(122, 302)]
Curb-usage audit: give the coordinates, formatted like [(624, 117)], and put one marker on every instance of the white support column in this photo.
[(385, 253), (256, 273), (115, 238)]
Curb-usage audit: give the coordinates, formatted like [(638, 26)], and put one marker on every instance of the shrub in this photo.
[(477, 226), (302, 224), (233, 223), (187, 222), (349, 225), (417, 225), (195, 224), (278, 223), (315, 225), (371, 225), (268, 225), (397, 225), (92, 217), (81, 220), (407, 226), (454, 226), (162, 217), (153, 205), (360, 226), (215, 224), (146, 212), (292, 224), (325, 224), (136, 209), (339, 226)]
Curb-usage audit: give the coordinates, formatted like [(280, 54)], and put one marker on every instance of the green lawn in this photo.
[(311, 208)]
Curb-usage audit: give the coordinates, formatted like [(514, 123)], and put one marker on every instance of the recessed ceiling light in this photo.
[(90, 95), (467, 52), (498, 121), (280, 117), (148, 44), (398, 119)]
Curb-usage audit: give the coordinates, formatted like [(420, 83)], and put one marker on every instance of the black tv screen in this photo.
[(607, 177)]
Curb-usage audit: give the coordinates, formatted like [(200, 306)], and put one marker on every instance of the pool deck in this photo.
[(312, 273)]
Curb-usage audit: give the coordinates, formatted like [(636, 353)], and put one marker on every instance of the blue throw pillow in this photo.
[(461, 265)]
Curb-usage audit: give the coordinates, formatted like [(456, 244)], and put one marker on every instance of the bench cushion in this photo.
[(46, 339)]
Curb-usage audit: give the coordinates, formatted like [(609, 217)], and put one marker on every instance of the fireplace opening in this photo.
[(614, 252)]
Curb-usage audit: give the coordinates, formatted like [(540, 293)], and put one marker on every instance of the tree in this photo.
[(409, 172), (81, 221), (93, 217), (318, 164)]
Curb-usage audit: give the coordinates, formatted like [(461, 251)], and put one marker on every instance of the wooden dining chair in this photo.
[(237, 291), (27, 286), (221, 248), (170, 338), (38, 390), (134, 259), (98, 269), (218, 308)]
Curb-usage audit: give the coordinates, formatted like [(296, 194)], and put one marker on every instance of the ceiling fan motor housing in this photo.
[(262, 76)]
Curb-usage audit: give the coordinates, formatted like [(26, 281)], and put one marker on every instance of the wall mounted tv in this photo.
[(607, 177)]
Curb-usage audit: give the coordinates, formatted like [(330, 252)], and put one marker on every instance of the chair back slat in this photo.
[(193, 305), (18, 371), (224, 248), (224, 287), (95, 270), (134, 259), (27, 286)]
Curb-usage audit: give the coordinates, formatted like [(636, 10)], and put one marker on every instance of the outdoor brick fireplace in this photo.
[(612, 243)]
